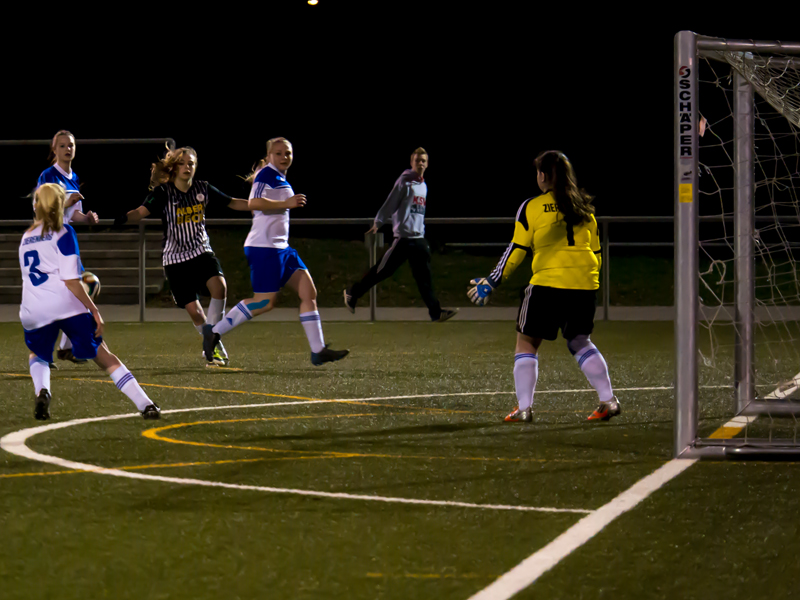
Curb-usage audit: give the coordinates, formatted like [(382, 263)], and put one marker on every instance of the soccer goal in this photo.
[(737, 245)]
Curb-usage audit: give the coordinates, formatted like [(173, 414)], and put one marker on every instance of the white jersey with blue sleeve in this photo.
[(270, 230), (46, 262), (68, 181)]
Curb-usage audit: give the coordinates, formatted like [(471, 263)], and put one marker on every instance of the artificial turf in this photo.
[(425, 424)]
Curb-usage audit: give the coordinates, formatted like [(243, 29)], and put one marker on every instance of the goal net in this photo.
[(737, 219)]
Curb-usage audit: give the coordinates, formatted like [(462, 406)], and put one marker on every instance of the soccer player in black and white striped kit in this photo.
[(190, 266), (406, 208)]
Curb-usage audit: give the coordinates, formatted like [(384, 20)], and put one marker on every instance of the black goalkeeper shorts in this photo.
[(545, 310)]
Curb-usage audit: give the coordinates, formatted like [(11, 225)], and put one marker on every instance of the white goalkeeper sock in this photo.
[(65, 344), (216, 310), (40, 373), (235, 317), (526, 372), (595, 368), (313, 328), (127, 384)]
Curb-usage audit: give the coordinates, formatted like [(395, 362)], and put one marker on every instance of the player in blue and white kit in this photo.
[(273, 263), (53, 299), (62, 153)]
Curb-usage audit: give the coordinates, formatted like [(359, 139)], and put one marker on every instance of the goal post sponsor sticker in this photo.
[(685, 192)]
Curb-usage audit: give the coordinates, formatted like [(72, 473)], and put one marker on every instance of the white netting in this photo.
[(776, 80)]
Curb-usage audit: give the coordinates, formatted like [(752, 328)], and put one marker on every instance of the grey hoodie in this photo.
[(406, 206)]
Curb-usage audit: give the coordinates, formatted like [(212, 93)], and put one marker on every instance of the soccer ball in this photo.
[(91, 284)]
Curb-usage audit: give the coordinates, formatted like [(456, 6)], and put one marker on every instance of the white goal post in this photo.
[(745, 62)]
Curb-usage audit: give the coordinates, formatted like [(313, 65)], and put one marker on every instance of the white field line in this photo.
[(541, 561), (15, 443)]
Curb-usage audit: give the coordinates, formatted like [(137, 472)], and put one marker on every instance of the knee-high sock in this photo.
[(40, 373), (526, 372), (65, 343), (127, 384), (236, 316), (313, 328), (216, 310), (595, 368)]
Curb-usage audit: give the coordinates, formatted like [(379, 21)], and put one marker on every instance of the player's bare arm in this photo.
[(76, 287), (266, 205), (137, 214), (239, 204)]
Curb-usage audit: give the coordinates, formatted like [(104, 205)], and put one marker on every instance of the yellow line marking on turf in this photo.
[(153, 434), (430, 576), (162, 466)]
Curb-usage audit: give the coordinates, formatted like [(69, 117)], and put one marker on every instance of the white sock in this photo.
[(235, 317), (595, 368), (65, 344), (40, 373), (216, 310), (128, 385), (526, 372), (313, 327), (199, 328)]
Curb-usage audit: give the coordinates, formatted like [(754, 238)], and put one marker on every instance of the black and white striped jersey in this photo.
[(183, 219)]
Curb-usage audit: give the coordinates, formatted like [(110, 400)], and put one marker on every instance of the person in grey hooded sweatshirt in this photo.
[(406, 208)]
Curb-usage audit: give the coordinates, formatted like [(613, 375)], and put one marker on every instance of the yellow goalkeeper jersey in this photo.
[(564, 256)]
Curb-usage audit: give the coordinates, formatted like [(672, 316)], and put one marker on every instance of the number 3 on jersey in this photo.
[(32, 259)]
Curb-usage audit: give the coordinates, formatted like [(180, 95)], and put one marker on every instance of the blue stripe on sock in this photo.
[(36, 359), (310, 318), (127, 378), (518, 356), (244, 310), (586, 355)]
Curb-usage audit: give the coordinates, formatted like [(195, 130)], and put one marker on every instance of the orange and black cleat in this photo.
[(606, 410), (524, 416)]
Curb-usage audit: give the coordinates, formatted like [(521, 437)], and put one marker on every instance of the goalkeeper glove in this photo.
[(480, 291)]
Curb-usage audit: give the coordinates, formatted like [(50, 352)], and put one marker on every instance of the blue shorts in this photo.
[(271, 268), (80, 331)]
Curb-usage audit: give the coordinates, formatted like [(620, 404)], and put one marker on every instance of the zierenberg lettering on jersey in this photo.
[(37, 238), (189, 214), (418, 205), (549, 208)]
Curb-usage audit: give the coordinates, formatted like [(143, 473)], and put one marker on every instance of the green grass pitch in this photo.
[(426, 425)]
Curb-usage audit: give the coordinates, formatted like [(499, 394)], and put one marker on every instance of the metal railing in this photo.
[(374, 242)]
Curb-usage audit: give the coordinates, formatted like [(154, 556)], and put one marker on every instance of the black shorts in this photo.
[(545, 310), (187, 280)]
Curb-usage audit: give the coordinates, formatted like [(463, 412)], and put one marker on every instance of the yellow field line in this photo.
[(154, 435)]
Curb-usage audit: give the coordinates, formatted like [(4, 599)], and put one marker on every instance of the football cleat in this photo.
[(606, 410), (68, 355), (349, 302), (151, 412), (524, 416), (41, 410), (210, 341), (220, 357), (327, 355), (446, 314)]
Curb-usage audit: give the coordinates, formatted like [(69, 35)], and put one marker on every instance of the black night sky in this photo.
[(356, 90)]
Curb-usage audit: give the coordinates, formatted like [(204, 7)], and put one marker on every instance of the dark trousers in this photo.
[(418, 255)]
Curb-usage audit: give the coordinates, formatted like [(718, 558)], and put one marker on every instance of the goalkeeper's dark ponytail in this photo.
[(574, 203)]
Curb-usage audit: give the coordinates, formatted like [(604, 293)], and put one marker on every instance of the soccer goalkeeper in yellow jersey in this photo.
[(560, 229)]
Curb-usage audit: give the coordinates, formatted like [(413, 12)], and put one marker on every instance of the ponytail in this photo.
[(574, 203), (48, 202)]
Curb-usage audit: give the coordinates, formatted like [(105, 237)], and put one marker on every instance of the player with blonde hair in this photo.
[(62, 153), (273, 263), (190, 265), (560, 229), (53, 299), (406, 207)]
